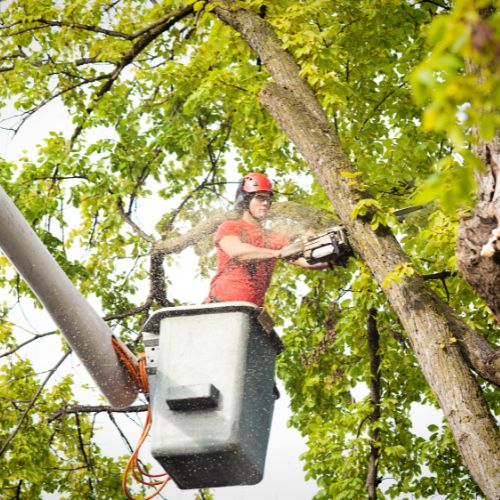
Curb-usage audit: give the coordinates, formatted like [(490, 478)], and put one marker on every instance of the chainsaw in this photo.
[(330, 246)]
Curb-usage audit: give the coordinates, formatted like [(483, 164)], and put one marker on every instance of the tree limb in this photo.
[(96, 409), (148, 36)]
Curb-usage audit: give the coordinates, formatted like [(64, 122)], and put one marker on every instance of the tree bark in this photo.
[(479, 233), (426, 320), (372, 481), (478, 245)]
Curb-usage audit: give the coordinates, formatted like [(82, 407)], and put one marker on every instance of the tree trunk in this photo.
[(479, 233), (372, 481), (430, 325)]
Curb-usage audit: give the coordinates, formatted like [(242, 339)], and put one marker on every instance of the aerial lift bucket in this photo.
[(211, 376)]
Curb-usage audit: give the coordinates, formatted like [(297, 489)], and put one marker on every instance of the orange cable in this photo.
[(137, 370)]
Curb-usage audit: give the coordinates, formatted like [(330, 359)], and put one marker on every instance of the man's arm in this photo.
[(236, 249)]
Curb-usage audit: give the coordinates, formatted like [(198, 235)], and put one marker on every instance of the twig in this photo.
[(36, 337), (131, 223), (31, 404)]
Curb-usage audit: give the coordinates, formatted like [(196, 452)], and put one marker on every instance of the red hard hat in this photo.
[(254, 182), (249, 185)]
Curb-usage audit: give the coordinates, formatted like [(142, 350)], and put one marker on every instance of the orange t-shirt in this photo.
[(237, 280)]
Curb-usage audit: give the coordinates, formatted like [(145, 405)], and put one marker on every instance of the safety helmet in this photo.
[(248, 186)]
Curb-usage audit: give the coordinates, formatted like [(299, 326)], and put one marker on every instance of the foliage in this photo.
[(175, 118), (459, 86), (47, 457)]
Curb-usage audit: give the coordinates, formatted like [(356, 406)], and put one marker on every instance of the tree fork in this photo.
[(293, 105)]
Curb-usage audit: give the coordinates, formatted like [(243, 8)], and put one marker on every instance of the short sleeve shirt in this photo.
[(237, 280)]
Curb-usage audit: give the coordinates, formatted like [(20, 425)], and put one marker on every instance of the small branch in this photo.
[(437, 4), (63, 91), (31, 404), (130, 312), (85, 27), (81, 444), (140, 181), (124, 437), (95, 409), (438, 276), (379, 104), (131, 223), (122, 434), (149, 35), (20, 346)]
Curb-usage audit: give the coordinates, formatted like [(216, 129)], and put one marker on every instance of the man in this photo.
[(246, 251)]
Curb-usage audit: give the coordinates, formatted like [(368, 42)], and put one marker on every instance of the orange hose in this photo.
[(132, 365), (137, 370)]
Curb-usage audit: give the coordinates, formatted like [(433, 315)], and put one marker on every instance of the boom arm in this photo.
[(86, 332)]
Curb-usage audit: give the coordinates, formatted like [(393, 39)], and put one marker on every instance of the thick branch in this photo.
[(150, 34), (281, 215), (206, 228)]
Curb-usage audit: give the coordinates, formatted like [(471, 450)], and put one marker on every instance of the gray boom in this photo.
[(86, 332)]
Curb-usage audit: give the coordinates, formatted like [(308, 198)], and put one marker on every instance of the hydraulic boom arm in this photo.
[(86, 332)]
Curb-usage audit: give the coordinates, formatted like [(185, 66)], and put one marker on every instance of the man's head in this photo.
[(255, 194)]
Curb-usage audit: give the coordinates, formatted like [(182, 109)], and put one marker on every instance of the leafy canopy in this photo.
[(162, 99)]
